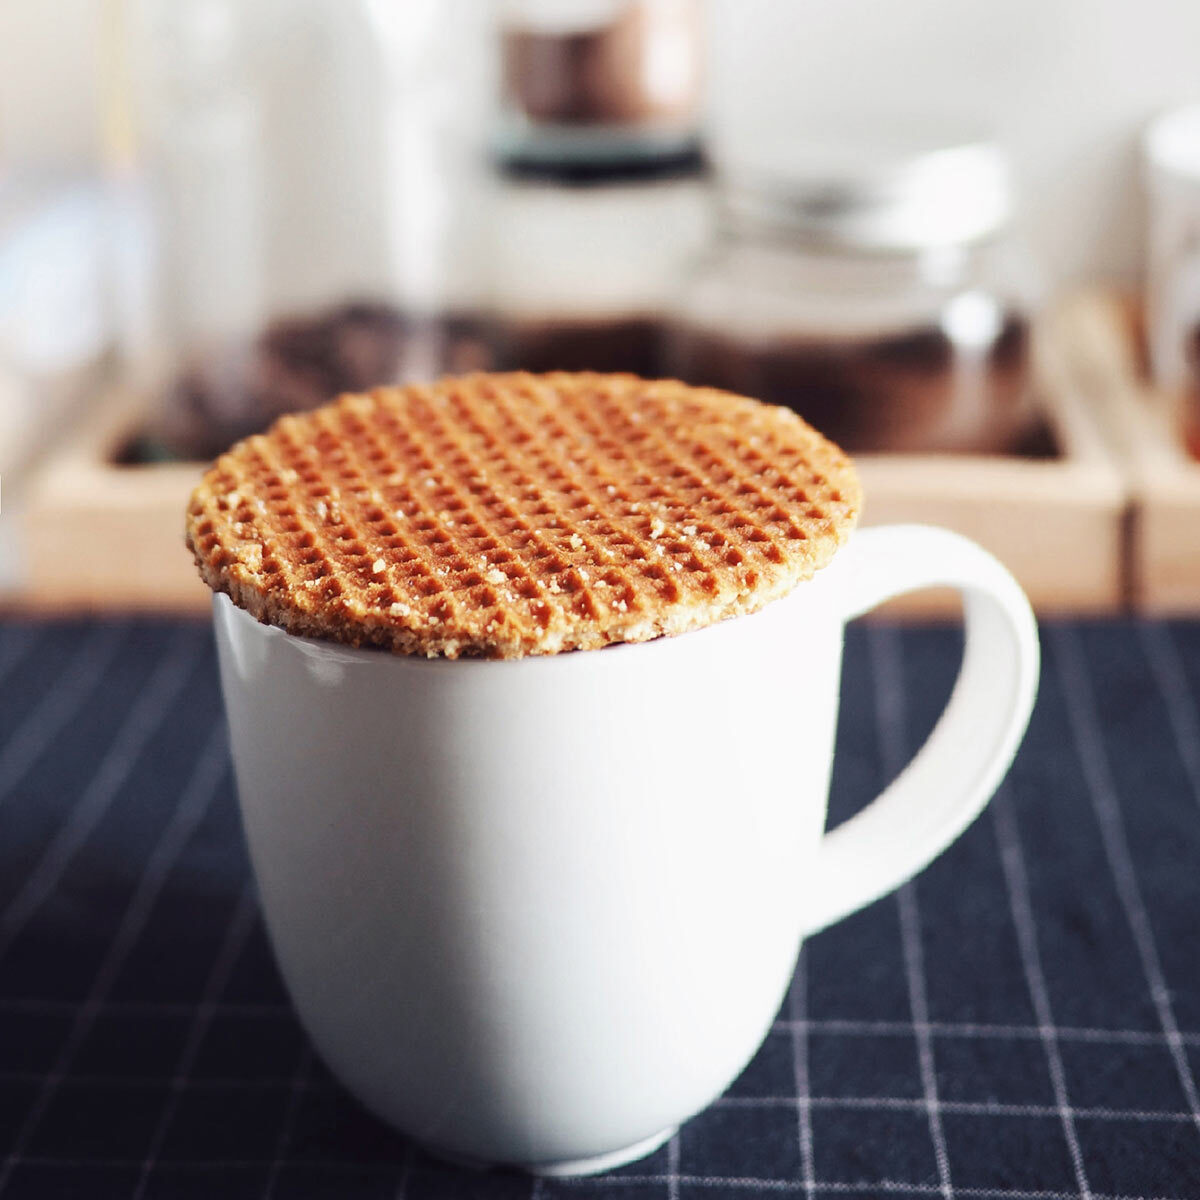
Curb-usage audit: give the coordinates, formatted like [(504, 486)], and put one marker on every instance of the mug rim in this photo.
[(330, 651)]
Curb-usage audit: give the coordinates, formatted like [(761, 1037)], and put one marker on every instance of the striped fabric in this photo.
[(1023, 1021)]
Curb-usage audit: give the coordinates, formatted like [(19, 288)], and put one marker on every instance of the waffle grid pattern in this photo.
[(1021, 1023), (510, 515)]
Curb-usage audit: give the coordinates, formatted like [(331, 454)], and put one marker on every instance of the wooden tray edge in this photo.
[(81, 506)]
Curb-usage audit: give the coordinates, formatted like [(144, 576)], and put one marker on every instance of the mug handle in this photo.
[(945, 787)]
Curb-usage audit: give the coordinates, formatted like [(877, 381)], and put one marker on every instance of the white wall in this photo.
[(1066, 83), (50, 80)]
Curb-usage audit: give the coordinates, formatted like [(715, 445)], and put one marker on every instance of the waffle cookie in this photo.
[(500, 516)]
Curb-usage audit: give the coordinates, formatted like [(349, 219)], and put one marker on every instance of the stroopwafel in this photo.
[(508, 515)]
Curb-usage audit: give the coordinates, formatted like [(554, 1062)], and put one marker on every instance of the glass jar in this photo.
[(308, 166), (1171, 151), (599, 196), (873, 292)]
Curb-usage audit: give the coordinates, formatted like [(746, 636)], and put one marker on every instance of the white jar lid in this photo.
[(902, 193)]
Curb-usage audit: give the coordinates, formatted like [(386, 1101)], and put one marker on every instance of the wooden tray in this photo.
[(104, 536), (107, 536), (1100, 335)]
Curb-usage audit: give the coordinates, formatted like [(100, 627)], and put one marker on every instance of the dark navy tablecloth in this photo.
[(1022, 1021)]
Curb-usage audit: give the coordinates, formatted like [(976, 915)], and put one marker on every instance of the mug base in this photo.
[(573, 1166)]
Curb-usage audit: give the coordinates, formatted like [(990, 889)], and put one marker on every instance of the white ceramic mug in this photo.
[(539, 912)]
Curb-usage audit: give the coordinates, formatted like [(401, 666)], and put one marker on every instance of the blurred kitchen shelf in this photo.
[(108, 536), (1100, 336)]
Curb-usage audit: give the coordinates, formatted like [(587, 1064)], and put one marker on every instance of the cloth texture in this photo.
[(1021, 1021)]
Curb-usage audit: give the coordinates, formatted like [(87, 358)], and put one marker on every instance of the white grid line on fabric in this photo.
[(1080, 704), (673, 1167), (980, 1108), (798, 1007), (237, 932), (969, 1030), (883, 1186), (297, 1086), (914, 969), (145, 717), (57, 705), (884, 647), (1182, 716), (1012, 861), (193, 803)]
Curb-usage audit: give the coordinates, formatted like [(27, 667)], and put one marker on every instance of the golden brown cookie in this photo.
[(508, 515)]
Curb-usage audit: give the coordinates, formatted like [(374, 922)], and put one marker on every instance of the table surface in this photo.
[(1021, 1021)]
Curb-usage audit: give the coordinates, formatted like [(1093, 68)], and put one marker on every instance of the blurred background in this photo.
[(216, 211)]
